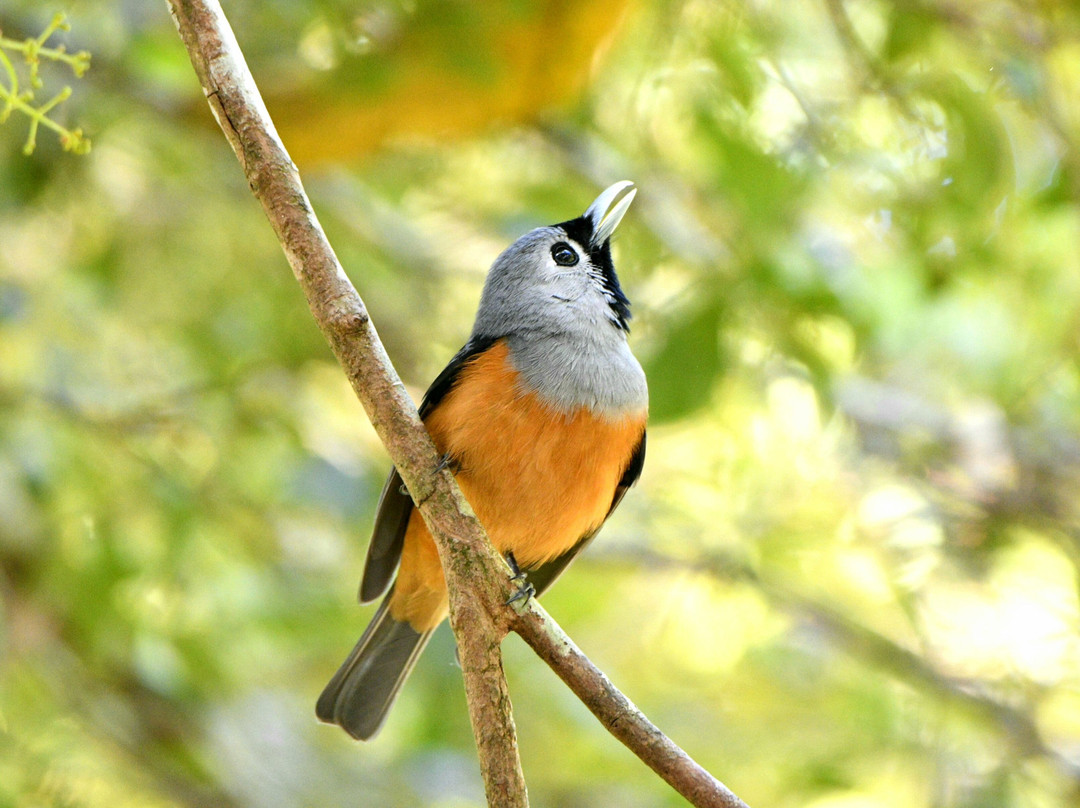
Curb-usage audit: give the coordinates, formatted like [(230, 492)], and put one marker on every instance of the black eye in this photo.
[(564, 254)]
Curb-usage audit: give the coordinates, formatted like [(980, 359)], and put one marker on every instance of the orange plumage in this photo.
[(538, 479)]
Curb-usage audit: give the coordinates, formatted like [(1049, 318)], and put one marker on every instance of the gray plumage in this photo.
[(365, 686), (559, 321)]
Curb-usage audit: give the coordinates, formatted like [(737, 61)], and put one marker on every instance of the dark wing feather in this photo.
[(387, 537), (395, 504), (445, 381), (545, 575)]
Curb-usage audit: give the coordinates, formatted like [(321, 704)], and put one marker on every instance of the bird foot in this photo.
[(446, 462), (526, 590)]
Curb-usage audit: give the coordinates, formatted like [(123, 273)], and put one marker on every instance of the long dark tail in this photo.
[(365, 686)]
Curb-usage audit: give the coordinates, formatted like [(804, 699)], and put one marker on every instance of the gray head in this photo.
[(560, 278)]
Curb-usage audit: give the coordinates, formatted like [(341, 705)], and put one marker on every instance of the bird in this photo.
[(541, 417)]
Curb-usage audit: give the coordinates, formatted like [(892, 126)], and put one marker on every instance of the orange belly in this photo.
[(538, 479)]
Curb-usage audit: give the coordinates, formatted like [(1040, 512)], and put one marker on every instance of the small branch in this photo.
[(478, 640), (476, 577), (618, 714)]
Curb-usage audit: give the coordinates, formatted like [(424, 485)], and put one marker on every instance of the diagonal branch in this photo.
[(618, 714), (477, 578)]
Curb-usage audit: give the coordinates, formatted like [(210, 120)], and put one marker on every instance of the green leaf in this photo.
[(684, 370)]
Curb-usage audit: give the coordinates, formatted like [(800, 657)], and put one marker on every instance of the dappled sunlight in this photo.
[(1022, 623), (848, 576), (704, 629)]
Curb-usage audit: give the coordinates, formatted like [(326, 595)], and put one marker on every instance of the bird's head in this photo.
[(560, 276)]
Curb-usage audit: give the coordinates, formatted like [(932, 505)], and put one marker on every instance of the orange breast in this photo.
[(537, 478)]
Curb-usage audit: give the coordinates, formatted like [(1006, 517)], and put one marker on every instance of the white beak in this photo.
[(605, 214)]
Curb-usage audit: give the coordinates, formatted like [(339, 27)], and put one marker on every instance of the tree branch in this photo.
[(618, 714), (476, 576)]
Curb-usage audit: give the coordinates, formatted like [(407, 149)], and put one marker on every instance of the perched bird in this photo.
[(541, 417)]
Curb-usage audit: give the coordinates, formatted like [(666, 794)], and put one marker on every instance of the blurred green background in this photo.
[(848, 577)]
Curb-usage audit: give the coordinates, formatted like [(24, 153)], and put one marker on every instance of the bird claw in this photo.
[(524, 592), (445, 462)]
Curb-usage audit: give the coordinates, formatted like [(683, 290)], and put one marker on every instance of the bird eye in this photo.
[(564, 254)]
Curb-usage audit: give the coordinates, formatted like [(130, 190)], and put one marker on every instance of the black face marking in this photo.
[(581, 231), (564, 254)]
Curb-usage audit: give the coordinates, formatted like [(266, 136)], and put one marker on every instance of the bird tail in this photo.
[(362, 691)]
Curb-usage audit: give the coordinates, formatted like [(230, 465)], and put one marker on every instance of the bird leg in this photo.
[(526, 590)]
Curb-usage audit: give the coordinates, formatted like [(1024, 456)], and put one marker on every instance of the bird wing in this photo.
[(395, 505)]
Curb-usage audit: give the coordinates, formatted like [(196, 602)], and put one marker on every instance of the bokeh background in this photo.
[(848, 577)]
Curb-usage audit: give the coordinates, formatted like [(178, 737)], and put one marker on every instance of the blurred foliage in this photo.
[(849, 574)]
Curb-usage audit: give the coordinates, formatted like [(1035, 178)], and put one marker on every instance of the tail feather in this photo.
[(362, 691)]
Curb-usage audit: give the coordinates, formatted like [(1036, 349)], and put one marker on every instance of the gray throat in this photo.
[(569, 372)]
